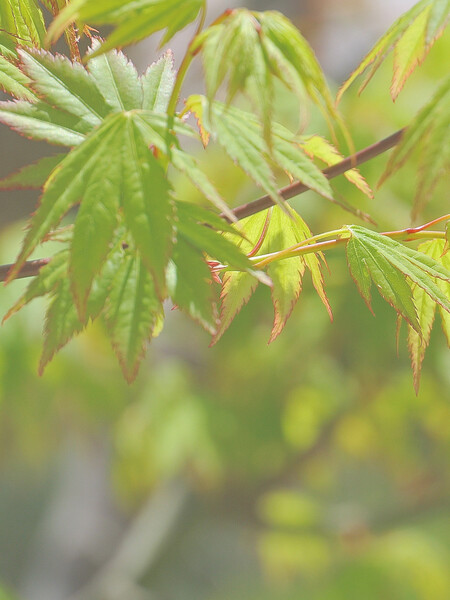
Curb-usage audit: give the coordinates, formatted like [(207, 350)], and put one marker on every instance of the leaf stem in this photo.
[(31, 268), (305, 247), (185, 64)]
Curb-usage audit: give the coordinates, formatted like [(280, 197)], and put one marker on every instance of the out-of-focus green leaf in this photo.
[(411, 36), (429, 134), (372, 256), (134, 20), (132, 314), (157, 83), (249, 50), (23, 20), (32, 176)]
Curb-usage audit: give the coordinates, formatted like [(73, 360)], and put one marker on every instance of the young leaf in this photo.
[(131, 178), (372, 256), (293, 61), (65, 84), (32, 176), (237, 289), (117, 79), (318, 147), (431, 127), (411, 36), (69, 184), (148, 208), (132, 314), (42, 122), (23, 19), (250, 49), (13, 81), (426, 308), (241, 136), (134, 20), (62, 320), (157, 84)]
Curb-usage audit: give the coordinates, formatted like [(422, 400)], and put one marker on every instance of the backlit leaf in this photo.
[(40, 121), (65, 84), (426, 308), (133, 312), (320, 148), (32, 176), (241, 136), (62, 320), (117, 79), (429, 135), (13, 81), (23, 19), (249, 50), (134, 20), (157, 84), (374, 257), (237, 289), (411, 37)]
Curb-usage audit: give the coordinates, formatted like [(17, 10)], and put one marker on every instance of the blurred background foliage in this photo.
[(303, 469)]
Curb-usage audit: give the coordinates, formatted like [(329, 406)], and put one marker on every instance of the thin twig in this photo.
[(294, 189), (31, 268)]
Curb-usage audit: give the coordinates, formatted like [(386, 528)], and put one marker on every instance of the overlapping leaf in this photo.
[(426, 310), (269, 232), (411, 37), (250, 49), (241, 136), (13, 81), (134, 313), (23, 20), (32, 176), (393, 267), (133, 19), (429, 133)]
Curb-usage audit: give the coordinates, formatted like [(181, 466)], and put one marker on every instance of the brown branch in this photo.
[(31, 268), (294, 189)]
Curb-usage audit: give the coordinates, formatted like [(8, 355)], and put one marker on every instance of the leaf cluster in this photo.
[(132, 243)]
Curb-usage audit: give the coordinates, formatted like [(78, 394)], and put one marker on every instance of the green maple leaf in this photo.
[(241, 136), (134, 20), (24, 22), (411, 37), (249, 50), (428, 134), (266, 233), (133, 314), (392, 266), (426, 310), (32, 176)]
